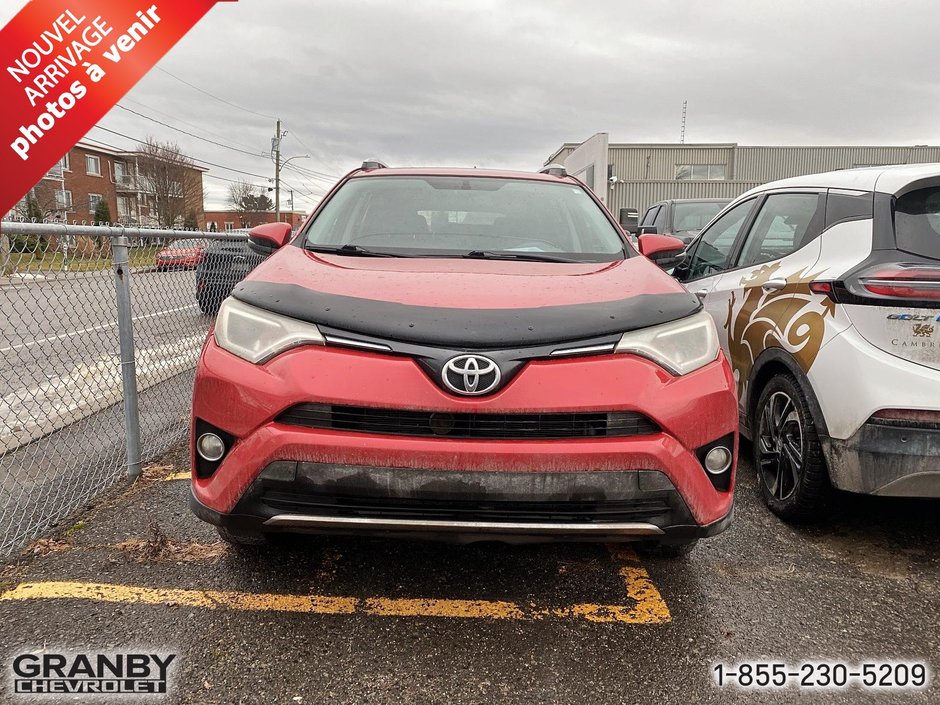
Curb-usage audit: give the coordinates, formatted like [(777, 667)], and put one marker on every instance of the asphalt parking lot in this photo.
[(337, 620)]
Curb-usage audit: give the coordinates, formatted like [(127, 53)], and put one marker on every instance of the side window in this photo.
[(843, 205), (650, 215), (660, 221), (714, 246), (784, 224)]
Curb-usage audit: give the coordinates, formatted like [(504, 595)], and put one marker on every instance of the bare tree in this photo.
[(249, 202), (45, 202), (171, 179)]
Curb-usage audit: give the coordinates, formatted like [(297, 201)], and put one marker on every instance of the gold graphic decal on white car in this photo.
[(792, 318)]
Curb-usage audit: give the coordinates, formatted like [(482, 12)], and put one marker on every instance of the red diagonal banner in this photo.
[(64, 64)]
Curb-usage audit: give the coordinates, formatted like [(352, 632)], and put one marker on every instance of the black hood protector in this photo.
[(467, 328)]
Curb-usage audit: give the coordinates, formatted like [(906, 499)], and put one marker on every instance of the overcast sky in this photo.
[(503, 83)]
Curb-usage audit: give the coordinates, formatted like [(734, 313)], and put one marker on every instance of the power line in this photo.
[(210, 142), (204, 139), (201, 161), (314, 174), (104, 144), (221, 100), (310, 151), (232, 181), (300, 198), (301, 173), (307, 190), (239, 107), (126, 99), (307, 147), (309, 195)]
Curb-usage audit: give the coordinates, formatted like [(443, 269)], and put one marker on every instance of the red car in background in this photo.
[(181, 254), (467, 355)]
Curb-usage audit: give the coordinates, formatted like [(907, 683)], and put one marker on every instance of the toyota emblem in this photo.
[(470, 374)]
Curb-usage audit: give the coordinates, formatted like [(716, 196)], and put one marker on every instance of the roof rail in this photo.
[(370, 164), (554, 170)]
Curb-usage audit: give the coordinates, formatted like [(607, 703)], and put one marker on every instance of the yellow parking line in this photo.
[(649, 607), (210, 599), (473, 609), (178, 476)]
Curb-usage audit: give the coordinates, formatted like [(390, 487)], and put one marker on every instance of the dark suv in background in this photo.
[(681, 218), (224, 264)]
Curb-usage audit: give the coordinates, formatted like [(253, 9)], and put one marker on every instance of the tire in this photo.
[(667, 550), (788, 456), (242, 540)]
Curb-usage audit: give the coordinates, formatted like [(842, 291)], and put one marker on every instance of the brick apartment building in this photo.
[(90, 173), (233, 220)]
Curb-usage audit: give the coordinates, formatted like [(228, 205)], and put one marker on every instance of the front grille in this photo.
[(435, 424), (584, 511)]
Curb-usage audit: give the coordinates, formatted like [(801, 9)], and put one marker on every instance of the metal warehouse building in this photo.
[(629, 175)]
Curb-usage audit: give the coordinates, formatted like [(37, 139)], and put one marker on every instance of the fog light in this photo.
[(718, 460), (210, 447)]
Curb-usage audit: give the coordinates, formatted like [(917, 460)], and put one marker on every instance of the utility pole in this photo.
[(685, 104), (278, 164), (276, 148)]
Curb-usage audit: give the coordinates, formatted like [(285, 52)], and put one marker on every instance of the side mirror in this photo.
[(647, 230), (629, 220), (664, 250), (682, 266), (265, 239)]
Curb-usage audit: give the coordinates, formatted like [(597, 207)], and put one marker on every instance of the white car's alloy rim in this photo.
[(780, 446)]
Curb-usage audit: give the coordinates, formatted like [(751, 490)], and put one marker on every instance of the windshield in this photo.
[(695, 216), (450, 216)]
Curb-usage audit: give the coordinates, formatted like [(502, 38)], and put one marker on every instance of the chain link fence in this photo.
[(100, 331)]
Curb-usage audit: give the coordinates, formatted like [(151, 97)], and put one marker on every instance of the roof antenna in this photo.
[(685, 104)]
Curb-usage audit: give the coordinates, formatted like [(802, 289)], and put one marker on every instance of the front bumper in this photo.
[(189, 262), (245, 401), (463, 506), (888, 460)]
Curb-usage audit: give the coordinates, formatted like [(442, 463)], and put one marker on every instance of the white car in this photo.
[(826, 292)]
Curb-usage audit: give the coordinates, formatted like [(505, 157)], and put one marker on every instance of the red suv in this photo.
[(463, 354)]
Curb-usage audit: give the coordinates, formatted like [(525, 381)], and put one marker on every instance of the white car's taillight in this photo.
[(902, 281), (679, 346), (257, 335)]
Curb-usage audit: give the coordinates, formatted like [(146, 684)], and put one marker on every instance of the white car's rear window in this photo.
[(917, 222)]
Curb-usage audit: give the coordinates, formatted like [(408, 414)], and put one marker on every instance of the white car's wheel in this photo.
[(788, 457)]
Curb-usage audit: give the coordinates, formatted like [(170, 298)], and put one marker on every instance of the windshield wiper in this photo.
[(357, 251), (522, 256), (350, 250)]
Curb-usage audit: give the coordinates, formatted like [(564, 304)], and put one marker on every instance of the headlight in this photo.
[(257, 335), (679, 346)]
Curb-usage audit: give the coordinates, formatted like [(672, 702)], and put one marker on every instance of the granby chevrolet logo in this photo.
[(98, 674)]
